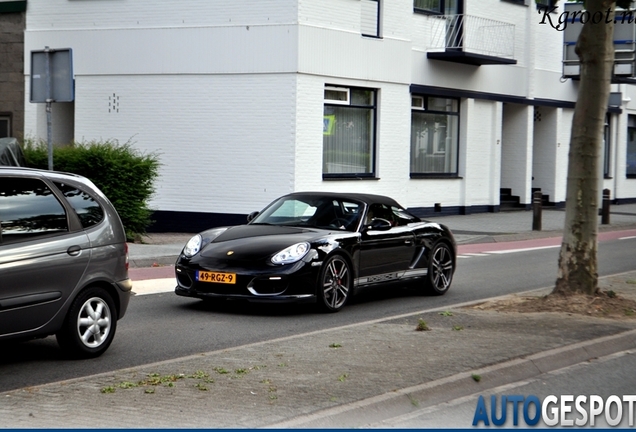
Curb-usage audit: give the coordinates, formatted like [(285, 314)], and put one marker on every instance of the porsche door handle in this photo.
[(408, 242), (74, 250)]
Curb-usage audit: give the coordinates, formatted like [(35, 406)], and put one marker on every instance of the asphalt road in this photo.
[(163, 326)]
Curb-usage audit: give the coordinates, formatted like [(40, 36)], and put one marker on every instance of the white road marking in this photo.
[(475, 254), (524, 249), (627, 238), (154, 286)]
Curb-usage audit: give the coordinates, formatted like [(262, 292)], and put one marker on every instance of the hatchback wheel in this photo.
[(89, 327), (440, 270), (335, 284)]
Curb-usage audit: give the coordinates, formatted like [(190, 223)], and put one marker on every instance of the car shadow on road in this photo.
[(35, 350)]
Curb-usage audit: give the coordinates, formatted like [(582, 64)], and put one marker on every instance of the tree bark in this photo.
[(578, 257)]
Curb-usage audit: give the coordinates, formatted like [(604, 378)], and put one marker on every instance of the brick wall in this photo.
[(12, 69)]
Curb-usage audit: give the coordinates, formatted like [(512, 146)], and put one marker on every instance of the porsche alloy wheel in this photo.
[(440, 269), (335, 283)]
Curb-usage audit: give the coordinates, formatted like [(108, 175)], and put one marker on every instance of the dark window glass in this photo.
[(395, 215), (28, 209), (546, 4), (606, 147), (312, 210), (87, 208), (631, 147), (380, 211), (402, 217), (4, 127), (446, 7)]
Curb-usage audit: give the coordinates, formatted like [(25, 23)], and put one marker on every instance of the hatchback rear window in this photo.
[(87, 208)]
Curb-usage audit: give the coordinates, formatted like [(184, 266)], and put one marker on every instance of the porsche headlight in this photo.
[(291, 254), (193, 246)]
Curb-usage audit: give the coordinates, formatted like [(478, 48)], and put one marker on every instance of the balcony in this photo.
[(471, 40)]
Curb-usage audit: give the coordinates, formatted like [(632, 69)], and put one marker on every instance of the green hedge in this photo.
[(124, 175)]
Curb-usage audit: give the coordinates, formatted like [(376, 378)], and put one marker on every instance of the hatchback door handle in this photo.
[(74, 250), (408, 242)]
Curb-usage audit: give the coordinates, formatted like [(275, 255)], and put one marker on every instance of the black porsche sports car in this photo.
[(318, 247)]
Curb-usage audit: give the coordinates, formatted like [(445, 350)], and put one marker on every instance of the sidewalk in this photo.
[(357, 376)]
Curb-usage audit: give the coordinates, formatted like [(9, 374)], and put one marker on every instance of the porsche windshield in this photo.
[(313, 211)]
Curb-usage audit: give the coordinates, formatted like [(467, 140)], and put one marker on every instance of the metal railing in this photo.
[(473, 34)]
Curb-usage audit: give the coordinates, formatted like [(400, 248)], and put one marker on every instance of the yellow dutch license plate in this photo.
[(216, 277)]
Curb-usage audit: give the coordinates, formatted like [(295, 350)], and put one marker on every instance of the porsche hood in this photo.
[(255, 242)]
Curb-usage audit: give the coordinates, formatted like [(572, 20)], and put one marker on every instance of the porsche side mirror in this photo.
[(379, 224), (252, 216)]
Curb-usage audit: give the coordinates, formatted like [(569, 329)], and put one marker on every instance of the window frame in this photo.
[(374, 140), (378, 22), (607, 147), (6, 117), (630, 128), (425, 109)]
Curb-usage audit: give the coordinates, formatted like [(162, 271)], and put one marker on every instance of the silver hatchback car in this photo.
[(63, 261)]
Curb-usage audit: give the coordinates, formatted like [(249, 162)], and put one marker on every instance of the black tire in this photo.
[(334, 285), (89, 326), (440, 270)]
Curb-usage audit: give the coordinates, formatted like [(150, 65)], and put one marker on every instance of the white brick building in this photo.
[(248, 100)]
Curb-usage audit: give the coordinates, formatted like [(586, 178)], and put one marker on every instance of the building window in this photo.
[(520, 2), (631, 147), (440, 7), (5, 126), (434, 136), (546, 4), (349, 132), (370, 18)]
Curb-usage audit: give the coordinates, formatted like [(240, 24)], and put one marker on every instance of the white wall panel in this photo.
[(122, 14), (174, 50), (226, 143), (349, 55)]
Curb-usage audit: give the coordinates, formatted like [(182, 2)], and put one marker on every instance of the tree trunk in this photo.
[(578, 257)]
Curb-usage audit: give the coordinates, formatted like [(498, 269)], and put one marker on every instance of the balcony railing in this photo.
[(471, 34)]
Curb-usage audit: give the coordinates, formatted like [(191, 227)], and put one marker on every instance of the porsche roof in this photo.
[(366, 198)]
